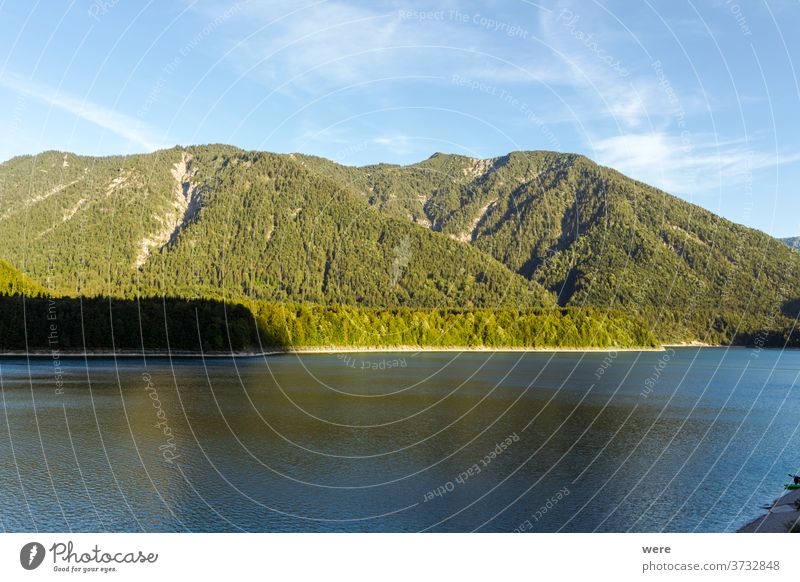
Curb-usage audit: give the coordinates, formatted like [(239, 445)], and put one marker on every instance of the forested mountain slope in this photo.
[(595, 237), (79, 223), (217, 222), (529, 229), (13, 282)]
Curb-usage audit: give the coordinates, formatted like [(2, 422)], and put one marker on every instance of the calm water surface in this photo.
[(690, 440)]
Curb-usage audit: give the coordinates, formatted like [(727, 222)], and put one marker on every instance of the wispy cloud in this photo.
[(330, 42), (327, 45), (650, 111), (692, 168), (399, 145), (131, 129), (570, 61), (598, 68)]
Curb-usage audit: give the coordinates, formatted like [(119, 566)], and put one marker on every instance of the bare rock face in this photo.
[(793, 242), (480, 168), (186, 202)]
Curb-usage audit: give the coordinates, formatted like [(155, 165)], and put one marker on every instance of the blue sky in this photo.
[(699, 98)]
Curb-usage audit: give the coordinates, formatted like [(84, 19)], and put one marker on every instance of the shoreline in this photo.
[(100, 353), (784, 511), (306, 350), (276, 351)]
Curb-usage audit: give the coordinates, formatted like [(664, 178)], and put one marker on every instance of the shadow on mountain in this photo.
[(41, 324), (751, 331), (152, 324), (157, 325), (791, 308), (767, 338)]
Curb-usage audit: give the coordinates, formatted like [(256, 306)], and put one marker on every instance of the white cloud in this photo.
[(322, 42), (122, 125), (597, 67), (331, 44), (586, 68), (399, 145), (685, 167)]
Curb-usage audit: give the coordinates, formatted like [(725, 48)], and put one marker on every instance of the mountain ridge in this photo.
[(577, 228), (523, 230), (793, 242)]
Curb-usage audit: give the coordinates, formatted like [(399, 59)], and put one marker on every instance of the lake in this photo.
[(683, 440)]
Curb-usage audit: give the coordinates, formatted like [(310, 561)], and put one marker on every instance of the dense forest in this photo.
[(217, 223), (318, 325), (101, 323), (107, 324), (13, 282), (594, 237), (33, 320), (448, 241)]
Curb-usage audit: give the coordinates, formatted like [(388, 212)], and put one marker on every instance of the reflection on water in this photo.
[(680, 441)]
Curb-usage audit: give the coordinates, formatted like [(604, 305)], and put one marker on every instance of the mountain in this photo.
[(793, 242), (525, 230), (595, 237), (216, 222)]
